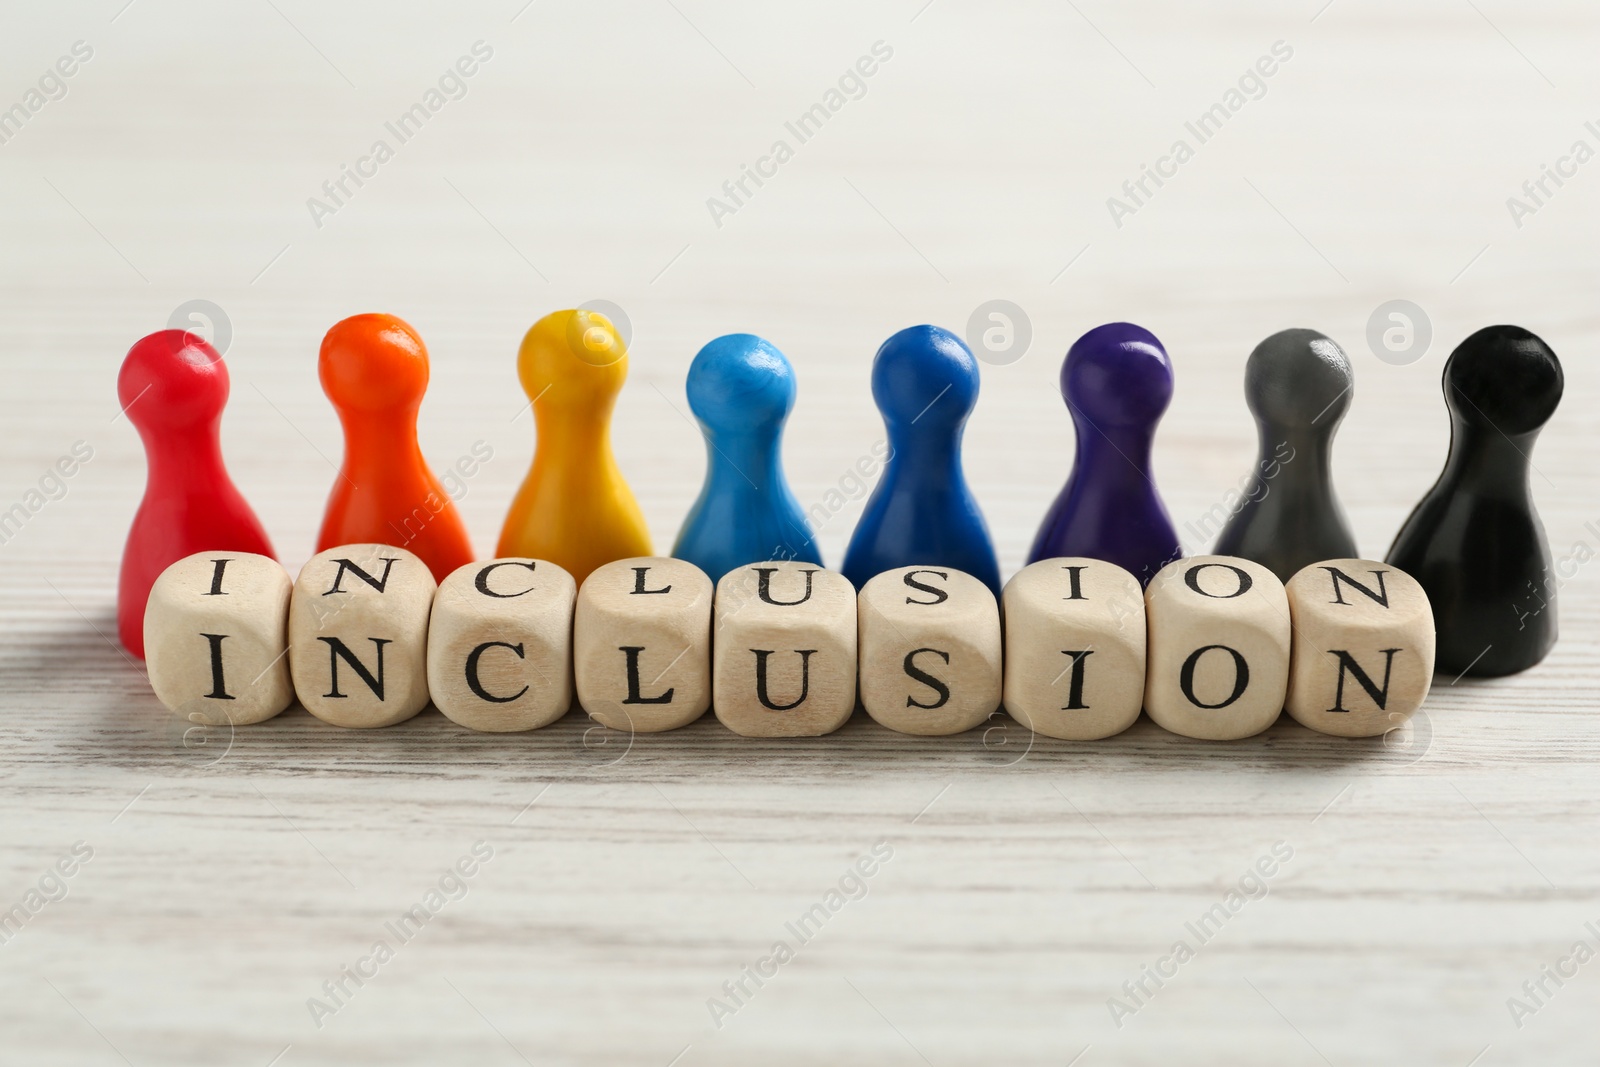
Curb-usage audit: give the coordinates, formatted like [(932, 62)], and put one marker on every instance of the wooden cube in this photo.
[(215, 638), (641, 644), (1075, 648), (930, 650), (500, 644), (784, 660), (358, 635), (1219, 637), (1363, 647)]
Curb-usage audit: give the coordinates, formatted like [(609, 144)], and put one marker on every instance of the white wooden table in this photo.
[(231, 876)]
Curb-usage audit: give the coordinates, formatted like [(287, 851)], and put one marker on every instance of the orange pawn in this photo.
[(375, 369), (574, 509)]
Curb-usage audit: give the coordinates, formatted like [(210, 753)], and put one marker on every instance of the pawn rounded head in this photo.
[(373, 363), (740, 382), (1299, 379), (1505, 378), (172, 379), (925, 376), (1118, 375), (573, 356)]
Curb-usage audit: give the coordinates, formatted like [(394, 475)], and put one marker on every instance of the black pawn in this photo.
[(1299, 385), (1475, 542)]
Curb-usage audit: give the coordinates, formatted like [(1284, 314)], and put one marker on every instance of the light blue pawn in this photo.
[(741, 390)]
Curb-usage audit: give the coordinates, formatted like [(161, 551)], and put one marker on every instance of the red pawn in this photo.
[(173, 387), (374, 369)]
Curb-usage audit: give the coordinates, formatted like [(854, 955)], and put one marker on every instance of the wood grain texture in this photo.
[(231, 876)]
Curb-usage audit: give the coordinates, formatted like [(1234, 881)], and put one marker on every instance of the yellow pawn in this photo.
[(574, 508)]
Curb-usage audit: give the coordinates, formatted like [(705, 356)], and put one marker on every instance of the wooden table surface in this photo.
[(228, 877)]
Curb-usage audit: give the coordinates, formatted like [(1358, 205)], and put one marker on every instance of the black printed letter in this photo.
[(1348, 665), (482, 580), (632, 652), (219, 690), (919, 675), (338, 650), (1241, 669), (472, 669), (805, 655)]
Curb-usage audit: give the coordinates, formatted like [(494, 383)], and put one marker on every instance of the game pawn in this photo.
[(1475, 542), (173, 387), (1298, 384), (574, 508), (1117, 382), (374, 369), (741, 390), (922, 513)]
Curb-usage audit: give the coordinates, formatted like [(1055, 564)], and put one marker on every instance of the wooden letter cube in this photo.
[(215, 638), (1075, 648), (930, 650), (1363, 647), (784, 663), (1218, 648), (641, 644), (500, 645), (358, 635)]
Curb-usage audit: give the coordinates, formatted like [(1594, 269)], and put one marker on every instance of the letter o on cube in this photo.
[(1219, 646)]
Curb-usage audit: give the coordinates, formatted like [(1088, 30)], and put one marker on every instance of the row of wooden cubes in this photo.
[(1215, 648)]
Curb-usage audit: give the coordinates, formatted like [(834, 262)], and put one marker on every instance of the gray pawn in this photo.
[(1298, 384)]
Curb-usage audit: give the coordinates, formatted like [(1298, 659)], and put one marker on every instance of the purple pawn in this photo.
[(1117, 380)]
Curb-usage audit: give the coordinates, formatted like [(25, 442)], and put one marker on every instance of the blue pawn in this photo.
[(925, 381), (741, 389)]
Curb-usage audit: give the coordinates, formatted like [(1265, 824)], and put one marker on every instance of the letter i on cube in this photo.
[(1075, 648), (215, 638)]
